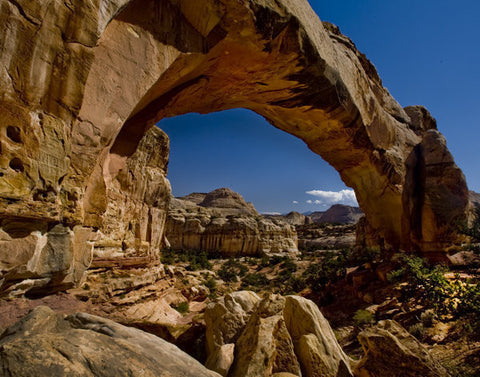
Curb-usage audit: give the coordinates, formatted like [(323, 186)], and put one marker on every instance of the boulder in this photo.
[(315, 344), (390, 351), (273, 335), (265, 346), (226, 317), (47, 344)]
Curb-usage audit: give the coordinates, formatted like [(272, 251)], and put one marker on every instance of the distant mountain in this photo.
[(338, 213)]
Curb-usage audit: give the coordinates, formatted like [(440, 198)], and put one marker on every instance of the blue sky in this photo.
[(426, 53)]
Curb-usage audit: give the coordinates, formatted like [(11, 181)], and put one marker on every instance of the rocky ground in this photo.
[(355, 289)]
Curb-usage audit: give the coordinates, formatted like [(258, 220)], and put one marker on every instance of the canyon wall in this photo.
[(221, 221), (81, 82)]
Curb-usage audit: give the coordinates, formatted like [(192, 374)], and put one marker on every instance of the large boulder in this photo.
[(390, 351), (47, 344), (315, 344), (270, 336)]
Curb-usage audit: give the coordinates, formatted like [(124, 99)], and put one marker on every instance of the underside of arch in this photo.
[(95, 76)]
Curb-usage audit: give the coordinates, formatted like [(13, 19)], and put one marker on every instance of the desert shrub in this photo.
[(417, 330), (288, 264), (264, 261), (427, 317), (293, 284), (255, 280), (362, 317), (274, 260), (231, 270), (329, 270), (361, 255), (211, 284), (430, 285), (196, 260), (182, 307)]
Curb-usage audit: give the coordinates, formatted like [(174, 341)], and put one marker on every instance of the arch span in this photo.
[(304, 77), (83, 82)]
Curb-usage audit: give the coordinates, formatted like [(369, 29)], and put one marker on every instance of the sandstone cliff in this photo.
[(137, 202), (81, 82), (222, 221)]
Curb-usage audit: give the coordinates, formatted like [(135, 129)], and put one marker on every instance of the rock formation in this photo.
[(293, 218), (47, 344), (223, 222), (341, 214), (81, 82), (137, 202), (262, 337), (320, 236), (390, 351)]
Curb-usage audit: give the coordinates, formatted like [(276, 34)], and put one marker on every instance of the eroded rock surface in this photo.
[(271, 336), (391, 351), (137, 202), (48, 344), (81, 82), (223, 222)]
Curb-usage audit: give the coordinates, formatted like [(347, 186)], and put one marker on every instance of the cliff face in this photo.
[(223, 222), (81, 82), (137, 202)]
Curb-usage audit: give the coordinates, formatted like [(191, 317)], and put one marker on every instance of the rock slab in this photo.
[(47, 344)]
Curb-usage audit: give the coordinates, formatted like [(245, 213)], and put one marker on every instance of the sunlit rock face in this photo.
[(82, 81), (137, 202), (223, 222)]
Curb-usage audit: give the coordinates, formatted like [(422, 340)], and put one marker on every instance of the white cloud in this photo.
[(295, 202), (271, 213), (346, 196)]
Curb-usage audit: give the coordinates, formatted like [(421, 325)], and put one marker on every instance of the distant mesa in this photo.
[(338, 213), (222, 221)]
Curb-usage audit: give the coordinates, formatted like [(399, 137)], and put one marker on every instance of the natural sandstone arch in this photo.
[(84, 80), (280, 62)]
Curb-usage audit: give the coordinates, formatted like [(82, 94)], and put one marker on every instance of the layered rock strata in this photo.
[(137, 202), (223, 222), (81, 82)]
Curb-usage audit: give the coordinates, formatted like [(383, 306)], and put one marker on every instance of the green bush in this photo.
[(255, 280), (211, 284), (362, 317), (429, 285), (196, 260), (231, 270), (182, 307)]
